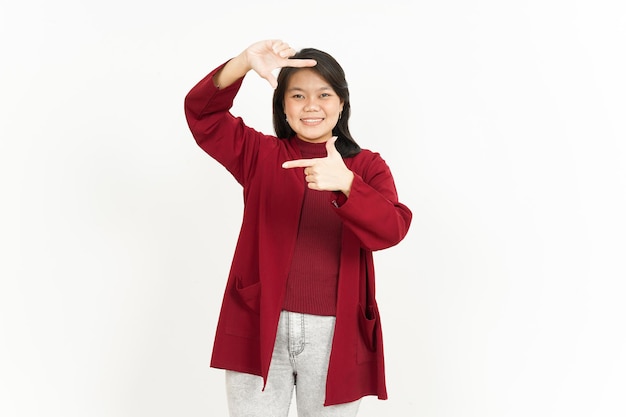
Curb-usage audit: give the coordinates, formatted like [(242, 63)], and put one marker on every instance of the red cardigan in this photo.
[(372, 217)]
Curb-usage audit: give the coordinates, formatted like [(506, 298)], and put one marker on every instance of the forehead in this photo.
[(306, 78)]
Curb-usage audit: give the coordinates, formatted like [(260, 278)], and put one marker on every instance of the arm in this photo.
[(207, 105), (373, 212), (225, 138)]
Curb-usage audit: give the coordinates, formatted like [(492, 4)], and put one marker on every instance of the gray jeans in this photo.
[(300, 360)]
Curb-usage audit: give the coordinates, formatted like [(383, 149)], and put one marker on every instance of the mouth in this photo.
[(312, 121)]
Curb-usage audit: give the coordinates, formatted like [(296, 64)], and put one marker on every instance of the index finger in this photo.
[(302, 163), (300, 63)]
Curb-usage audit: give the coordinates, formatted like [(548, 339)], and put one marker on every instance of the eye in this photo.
[(325, 95), (297, 96)]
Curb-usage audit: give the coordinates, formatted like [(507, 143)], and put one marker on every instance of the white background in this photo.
[(503, 123)]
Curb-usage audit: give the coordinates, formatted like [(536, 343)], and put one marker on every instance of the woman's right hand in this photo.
[(265, 56)]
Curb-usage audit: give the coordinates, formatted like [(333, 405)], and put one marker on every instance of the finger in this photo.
[(330, 146), (287, 52), (301, 63), (270, 77), (284, 50), (302, 163), (272, 80), (277, 45)]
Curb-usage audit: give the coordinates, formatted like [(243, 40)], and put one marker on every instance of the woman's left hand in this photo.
[(325, 174)]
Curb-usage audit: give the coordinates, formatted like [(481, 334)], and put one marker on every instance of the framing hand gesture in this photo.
[(266, 56), (325, 174)]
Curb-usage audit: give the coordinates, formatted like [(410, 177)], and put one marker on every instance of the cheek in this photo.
[(291, 114), (334, 112), (290, 109)]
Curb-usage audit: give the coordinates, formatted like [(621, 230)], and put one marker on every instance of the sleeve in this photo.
[(373, 212), (224, 137)]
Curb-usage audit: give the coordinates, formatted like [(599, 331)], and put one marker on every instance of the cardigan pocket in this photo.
[(242, 316), (368, 325), (249, 295)]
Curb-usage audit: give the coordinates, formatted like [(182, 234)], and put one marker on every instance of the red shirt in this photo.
[(312, 280)]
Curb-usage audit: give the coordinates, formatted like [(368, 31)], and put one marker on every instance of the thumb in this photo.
[(271, 78), (330, 146)]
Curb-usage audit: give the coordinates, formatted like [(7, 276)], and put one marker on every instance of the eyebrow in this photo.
[(302, 89)]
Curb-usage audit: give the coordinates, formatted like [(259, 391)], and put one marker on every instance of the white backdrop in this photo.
[(503, 123)]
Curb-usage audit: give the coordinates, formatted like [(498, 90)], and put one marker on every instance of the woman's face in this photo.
[(311, 105)]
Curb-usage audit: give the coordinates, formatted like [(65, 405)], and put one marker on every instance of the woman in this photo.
[(299, 307)]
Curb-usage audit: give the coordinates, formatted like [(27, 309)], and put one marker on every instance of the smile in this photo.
[(311, 121)]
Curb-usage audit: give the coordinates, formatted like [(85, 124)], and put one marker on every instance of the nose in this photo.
[(311, 105)]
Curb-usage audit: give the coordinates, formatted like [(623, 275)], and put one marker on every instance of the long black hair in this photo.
[(330, 70)]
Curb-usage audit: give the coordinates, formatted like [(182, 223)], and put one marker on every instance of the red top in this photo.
[(372, 219), (312, 280)]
